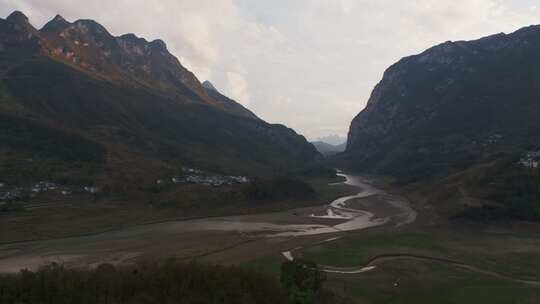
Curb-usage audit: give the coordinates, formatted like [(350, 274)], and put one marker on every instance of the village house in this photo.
[(91, 189), (43, 187), (530, 160), (14, 194)]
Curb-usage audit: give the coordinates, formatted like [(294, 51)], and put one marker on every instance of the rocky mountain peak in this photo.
[(128, 58), (58, 23), (209, 86), (159, 45), (59, 18), (17, 17), (17, 28), (132, 38)]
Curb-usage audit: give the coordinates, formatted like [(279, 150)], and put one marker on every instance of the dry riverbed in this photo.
[(222, 239)]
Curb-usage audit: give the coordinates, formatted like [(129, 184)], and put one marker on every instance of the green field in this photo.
[(351, 252), (513, 254), (426, 281)]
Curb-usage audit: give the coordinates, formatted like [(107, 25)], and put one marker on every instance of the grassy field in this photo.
[(270, 264), (516, 254), (428, 282), (353, 252), (513, 254)]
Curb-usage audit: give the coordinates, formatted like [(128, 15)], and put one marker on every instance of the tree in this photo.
[(302, 280)]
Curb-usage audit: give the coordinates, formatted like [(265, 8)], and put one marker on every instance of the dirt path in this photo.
[(373, 262), (407, 216)]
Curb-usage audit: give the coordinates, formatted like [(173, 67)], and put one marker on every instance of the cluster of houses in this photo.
[(530, 160), (90, 189), (211, 180), (195, 176), (190, 176), (191, 170), (13, 194), (44, 187), (18, 193)]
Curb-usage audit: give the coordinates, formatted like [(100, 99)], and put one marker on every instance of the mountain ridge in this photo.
[(130, 99)]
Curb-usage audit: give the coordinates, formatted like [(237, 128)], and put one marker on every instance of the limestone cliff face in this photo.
[(451, 106)]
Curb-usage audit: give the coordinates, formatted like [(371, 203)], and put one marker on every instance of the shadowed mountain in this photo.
[(452, 106), (464, 111), (128, 103)]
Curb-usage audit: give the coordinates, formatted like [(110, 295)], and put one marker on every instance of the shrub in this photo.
[(302, 280)]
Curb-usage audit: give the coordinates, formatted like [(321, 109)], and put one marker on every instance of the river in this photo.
[(238, 236)]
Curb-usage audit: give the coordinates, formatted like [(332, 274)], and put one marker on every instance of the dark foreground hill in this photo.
[(78, 102), (467, 110), (165, 282)]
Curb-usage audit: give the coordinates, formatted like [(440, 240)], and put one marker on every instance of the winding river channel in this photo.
[(236, 239), (224, 239), (359, 216), (350, 217)]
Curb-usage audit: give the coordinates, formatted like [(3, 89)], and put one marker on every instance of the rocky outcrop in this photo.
[(209, 86)]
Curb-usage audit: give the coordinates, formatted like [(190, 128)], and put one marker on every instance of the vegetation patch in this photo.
[(425, 283), (166, 282), (7, 101), (357, 252), (515, 189)]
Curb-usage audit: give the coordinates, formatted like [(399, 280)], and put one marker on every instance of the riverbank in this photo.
[(223, 239), (45, 218)]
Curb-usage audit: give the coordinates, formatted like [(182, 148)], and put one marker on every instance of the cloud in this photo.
[(238, 88), (309, 64)]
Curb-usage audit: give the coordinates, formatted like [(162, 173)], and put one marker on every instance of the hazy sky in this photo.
[(310, 64)]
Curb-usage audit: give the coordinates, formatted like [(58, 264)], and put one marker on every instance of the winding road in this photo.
[(372, 265)]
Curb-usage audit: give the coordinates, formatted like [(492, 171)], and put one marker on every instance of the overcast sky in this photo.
[(309, 64)]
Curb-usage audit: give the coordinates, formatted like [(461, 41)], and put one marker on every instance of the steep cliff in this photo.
[(453, 106)]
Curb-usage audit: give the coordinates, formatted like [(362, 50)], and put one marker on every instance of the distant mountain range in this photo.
[(334, 140), (77, 101), (330, 145), (328, 149)]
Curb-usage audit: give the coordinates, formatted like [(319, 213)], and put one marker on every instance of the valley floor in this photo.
[(410, 259)]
